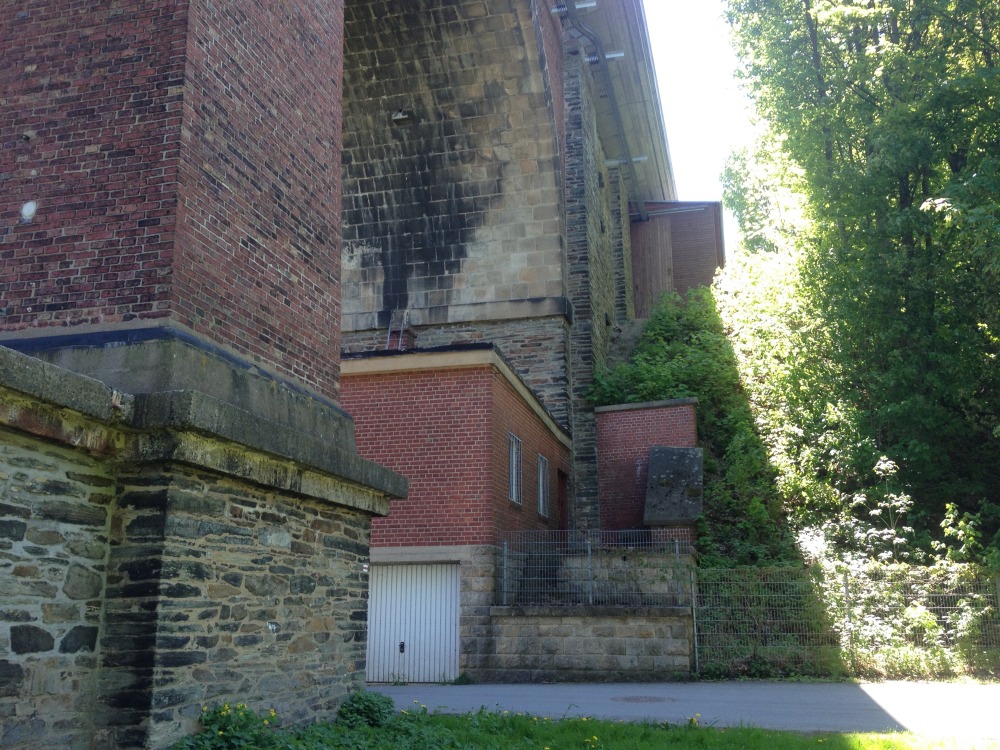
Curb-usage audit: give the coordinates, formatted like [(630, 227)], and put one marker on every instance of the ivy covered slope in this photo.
[(866, 313), (683, 352)]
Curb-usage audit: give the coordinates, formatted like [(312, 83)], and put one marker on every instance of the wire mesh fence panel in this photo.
[(601, 568), (870, 620), (762, 622), (916, 621)]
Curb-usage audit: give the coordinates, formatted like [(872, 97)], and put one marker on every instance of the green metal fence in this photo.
[(869, 621), (646, 567)]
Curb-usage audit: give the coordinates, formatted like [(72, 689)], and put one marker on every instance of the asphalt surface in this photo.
[(968, 712)]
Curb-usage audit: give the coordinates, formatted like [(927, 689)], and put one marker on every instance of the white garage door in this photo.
[(413, 623)]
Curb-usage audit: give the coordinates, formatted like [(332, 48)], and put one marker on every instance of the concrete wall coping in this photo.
[(437, 554), (589, 611), (143, 421), (648, 405)]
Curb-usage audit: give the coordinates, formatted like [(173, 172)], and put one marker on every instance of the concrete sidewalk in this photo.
[(966, 711)]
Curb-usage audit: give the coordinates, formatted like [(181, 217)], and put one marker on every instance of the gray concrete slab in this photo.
[(968, 712)]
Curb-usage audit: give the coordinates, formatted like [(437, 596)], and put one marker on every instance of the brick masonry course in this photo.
[(178, 175), (624, 436)]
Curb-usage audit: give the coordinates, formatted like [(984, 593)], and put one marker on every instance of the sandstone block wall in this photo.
[(451, 187), (535, 644)]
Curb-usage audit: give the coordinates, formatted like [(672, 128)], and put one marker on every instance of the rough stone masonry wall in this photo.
[(150, 563), (55, 516), (222, 591), (591, 281), (621, 247)]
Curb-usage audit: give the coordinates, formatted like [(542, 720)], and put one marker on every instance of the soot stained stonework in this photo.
[(410, 208), (445, 119)]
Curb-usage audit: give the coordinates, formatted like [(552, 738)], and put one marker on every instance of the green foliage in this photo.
[(864, 619), (232, 727), (684, 352), (366, 708), (874, 195), (501, 730)]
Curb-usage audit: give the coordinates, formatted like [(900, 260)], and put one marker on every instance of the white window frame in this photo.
[(514, 493), (543, 486)]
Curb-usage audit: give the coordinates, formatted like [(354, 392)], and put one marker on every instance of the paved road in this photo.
[(966, 711)]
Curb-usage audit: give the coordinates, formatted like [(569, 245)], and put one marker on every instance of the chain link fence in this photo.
[(647, 567), (830, 620)]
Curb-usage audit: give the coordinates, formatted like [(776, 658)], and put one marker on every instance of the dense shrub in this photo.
[(684, 352)]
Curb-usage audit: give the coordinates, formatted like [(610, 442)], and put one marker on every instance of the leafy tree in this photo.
[(884, 119)]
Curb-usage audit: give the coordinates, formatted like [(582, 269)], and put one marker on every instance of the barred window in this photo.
[(543, 485), (514, 470)]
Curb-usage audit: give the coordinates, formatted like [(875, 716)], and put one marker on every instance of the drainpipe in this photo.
[(602, 63)]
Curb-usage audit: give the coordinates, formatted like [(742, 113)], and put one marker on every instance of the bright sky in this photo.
[(703, 108)]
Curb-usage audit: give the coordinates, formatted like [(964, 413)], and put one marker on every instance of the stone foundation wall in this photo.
[(221, 591), (557, 643), (603, 644), (54, 528), (164, 551)]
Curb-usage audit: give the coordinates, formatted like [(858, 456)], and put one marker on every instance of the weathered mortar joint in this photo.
[(171, 549)]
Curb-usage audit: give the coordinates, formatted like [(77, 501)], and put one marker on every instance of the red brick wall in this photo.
[(624, 437), (258, 249), (696, 238), (446, 431), (90, 128), (433, 428), (511, 414), (185, 158)]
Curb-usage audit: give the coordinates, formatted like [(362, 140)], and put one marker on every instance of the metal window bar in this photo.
[(640, 568)]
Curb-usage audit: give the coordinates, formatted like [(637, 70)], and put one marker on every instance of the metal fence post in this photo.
[(505, 572), (694, 618), (590, 573), (849, 619)]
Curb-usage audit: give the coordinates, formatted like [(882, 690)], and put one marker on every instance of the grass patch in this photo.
[(418, 729)]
